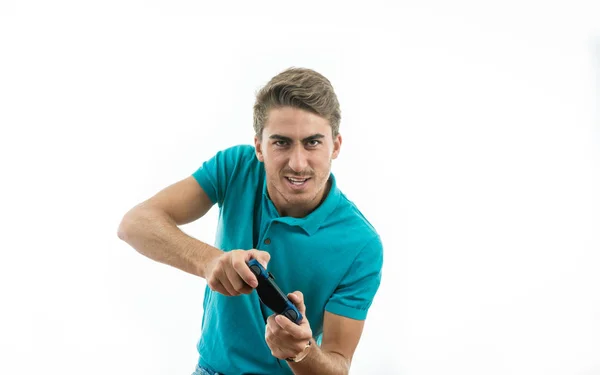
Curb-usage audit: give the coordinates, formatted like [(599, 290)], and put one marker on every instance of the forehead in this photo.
[(295, 122)]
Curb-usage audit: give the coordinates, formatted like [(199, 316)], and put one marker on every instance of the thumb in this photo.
[(261, 256), (297, 299)]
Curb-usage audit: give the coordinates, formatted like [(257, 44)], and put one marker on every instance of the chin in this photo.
[(299, 197)]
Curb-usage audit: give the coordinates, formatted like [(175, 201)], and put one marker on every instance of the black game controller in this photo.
[(270, 294)]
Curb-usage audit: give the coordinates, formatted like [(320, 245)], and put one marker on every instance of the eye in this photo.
[(313, 143), (280, 143)]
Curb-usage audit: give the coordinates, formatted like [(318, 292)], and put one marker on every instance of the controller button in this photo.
[(255, 269), (291, 314)]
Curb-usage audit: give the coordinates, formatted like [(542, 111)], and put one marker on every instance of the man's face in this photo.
[(297, 148)]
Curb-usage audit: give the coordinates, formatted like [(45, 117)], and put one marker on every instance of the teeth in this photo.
[(297, 181)]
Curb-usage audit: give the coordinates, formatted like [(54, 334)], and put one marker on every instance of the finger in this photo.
[(238, 262), (236, 281), (272, 325), (229, 289), (297, 299), (276, 329), (262, 256), (216, 286), (280, 342), (291, 328), (270, 330), (226, 284)]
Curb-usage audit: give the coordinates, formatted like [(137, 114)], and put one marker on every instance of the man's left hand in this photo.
[(286, 338)]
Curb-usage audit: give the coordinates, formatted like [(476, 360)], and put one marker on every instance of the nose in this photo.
[(298, 160)]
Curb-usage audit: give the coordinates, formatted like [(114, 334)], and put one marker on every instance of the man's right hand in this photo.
[(229, 274)]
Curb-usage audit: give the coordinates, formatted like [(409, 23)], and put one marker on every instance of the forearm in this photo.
[(158, 237), (321, 362)]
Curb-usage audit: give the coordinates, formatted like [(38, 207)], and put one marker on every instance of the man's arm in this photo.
[(340, 339), (151, 227), (333, 357)]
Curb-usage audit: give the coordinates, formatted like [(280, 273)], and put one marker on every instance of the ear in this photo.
[(258, 149), (337, 144)]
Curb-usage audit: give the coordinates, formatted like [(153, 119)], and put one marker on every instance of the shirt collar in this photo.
[(313, 221)]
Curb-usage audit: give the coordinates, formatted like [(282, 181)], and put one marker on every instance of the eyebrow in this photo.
[(288, 139)]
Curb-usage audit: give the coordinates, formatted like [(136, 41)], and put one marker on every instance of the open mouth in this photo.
[(297, 182)]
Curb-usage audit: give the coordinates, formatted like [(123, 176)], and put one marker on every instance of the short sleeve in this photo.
[(214, 175), (355, 293)]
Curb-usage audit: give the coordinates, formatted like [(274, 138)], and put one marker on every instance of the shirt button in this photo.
[(267, 241)]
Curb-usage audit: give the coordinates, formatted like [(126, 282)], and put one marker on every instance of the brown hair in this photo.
[(300, 88)]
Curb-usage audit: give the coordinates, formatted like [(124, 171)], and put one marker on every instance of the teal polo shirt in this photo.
[(333, 256)]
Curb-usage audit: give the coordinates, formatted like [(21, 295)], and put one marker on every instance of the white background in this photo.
[(471, 141)]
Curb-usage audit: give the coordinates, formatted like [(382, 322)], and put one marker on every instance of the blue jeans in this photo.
[(204, 371)]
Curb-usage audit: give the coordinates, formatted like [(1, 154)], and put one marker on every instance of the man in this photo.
[(279, 204)]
